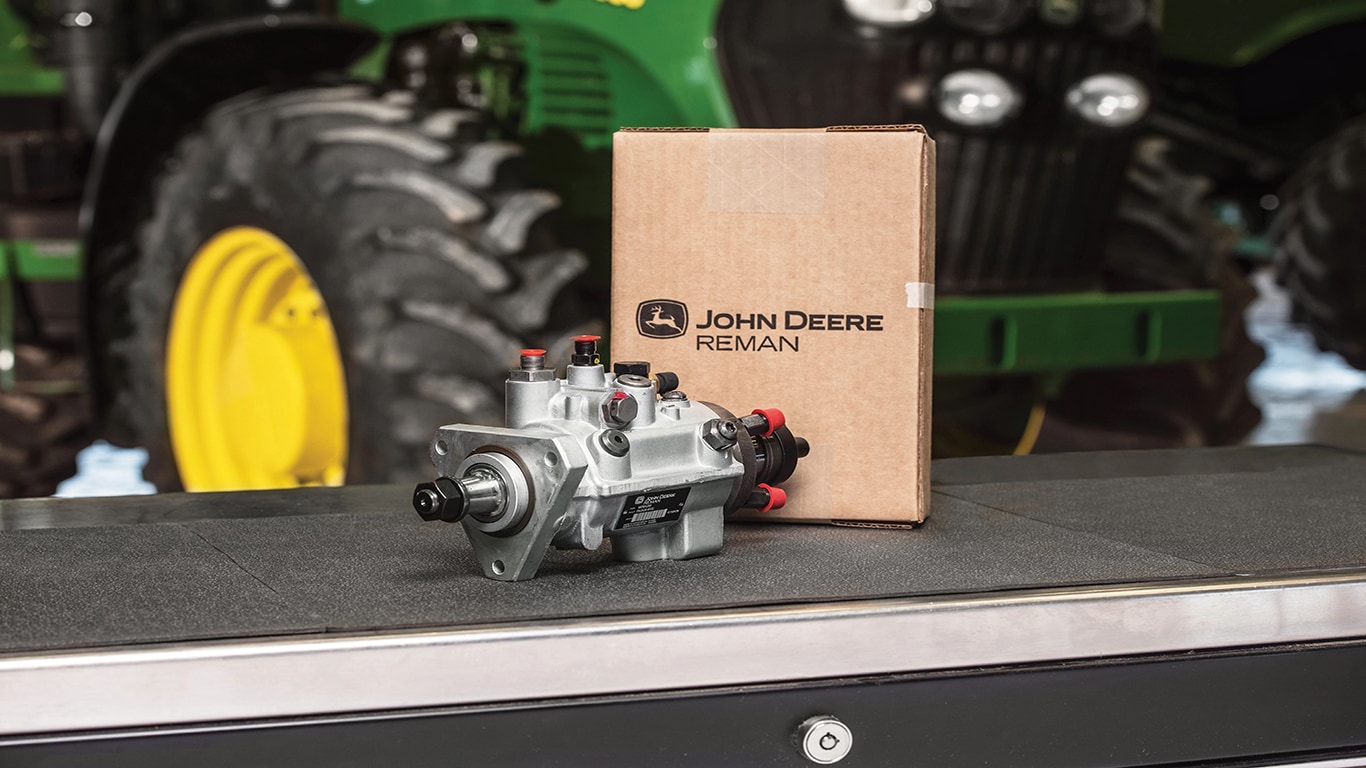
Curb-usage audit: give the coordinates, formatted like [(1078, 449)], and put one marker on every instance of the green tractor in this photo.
[(276, 243)]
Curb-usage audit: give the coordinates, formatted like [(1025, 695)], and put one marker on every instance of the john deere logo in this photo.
[(661, 318)]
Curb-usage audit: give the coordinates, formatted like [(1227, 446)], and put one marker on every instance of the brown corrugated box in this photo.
[(790, 269)]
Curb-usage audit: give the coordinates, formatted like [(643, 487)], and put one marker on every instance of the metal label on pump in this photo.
[(662, 506)]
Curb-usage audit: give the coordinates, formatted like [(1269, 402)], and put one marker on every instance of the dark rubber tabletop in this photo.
[(100, 572)]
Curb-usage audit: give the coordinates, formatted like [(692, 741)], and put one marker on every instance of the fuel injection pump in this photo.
[(622, 455)]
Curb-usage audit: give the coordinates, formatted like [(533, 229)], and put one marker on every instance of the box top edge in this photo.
[(894, 128)]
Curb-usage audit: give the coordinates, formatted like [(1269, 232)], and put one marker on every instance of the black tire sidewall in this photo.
[(1327, 280), (1165, 239)]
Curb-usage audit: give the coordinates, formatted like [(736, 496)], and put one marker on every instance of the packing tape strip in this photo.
[(920, 295), (766, 172)]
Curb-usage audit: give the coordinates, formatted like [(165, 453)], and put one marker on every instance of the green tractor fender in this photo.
[(1234, 33), (591, 67), (167, 94)]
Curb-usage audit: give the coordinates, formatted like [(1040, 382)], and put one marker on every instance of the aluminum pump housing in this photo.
[(621, 455)]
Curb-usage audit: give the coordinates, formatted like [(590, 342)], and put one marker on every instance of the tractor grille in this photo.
[(570, 85), (1021, 208)]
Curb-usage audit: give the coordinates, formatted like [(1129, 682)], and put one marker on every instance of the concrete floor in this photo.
[(1306, 396)]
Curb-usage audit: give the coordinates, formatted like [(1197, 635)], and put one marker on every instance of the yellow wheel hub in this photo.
[(255, 392)]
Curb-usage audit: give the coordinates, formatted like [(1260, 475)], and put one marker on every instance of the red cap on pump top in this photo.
[(775, 418), (777, 497), (587, 337), (533, 353)]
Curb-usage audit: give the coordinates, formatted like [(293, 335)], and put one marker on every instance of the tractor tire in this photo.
[(1319, 237), (435, 263), (1164, 238), (43, 424)]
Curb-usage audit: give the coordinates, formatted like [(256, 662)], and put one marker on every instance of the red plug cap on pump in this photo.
[(533, 359), (777, 497), (775, 418)]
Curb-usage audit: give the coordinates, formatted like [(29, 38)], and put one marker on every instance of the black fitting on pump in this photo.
[(769, 452), (586, 351), (776, 449), (442, 499), (668, 381), (478, 494), (778, 454)]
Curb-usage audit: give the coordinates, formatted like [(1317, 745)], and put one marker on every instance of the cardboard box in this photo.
[(790, 269)]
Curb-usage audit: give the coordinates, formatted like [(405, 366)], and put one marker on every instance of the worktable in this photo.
[(1199, 607)]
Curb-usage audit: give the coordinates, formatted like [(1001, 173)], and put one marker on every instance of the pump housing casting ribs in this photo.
[(622, 455)]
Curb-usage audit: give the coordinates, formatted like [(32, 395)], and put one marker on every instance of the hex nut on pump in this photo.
[(441, 499), (720, 434), (620, 409)]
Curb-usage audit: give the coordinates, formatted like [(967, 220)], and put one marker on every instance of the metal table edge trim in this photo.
[(223, 680)]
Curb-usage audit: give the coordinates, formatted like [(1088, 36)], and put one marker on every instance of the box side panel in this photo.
[(926, 265)]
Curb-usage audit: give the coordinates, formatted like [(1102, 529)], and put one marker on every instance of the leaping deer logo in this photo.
[(662, 318), (659, 320)]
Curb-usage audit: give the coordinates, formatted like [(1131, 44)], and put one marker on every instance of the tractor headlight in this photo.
[(890, 13), (1109, 99), (1119, 17), (977, 97), (989, 17)]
